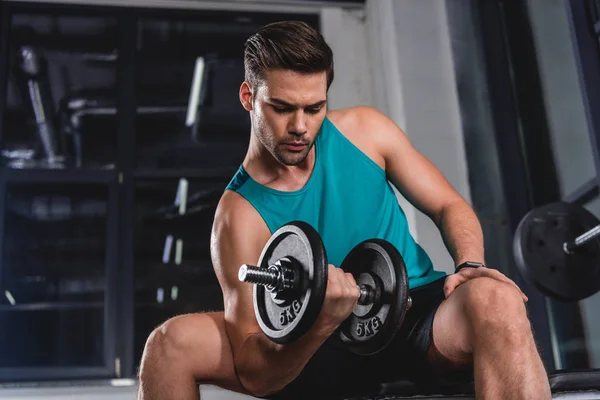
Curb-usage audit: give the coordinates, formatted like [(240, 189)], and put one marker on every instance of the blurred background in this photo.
[(120, 126)]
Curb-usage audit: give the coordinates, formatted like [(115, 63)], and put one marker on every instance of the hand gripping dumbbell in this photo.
[(291, 279)]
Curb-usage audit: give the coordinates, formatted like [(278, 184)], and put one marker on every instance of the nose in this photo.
[(298, 123)]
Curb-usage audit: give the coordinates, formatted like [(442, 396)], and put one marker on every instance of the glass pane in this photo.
[(51, 338), (590, 307), (54, 248), (219, 135), (192, 117), (173, 268), (567, 124), (575, 327), (61, 96)]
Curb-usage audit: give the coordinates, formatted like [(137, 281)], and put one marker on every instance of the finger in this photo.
[(352, 286), (334, 278), (487, 272), (452, 282), (500, 276), (494, 274), (350, 279)]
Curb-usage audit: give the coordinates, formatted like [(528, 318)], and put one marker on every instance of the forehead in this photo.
[(294, 87)]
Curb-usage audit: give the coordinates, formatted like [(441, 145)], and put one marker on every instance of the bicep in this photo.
[(233, 244)]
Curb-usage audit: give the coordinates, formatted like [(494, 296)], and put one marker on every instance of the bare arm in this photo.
[(263, 367), (420, 181)]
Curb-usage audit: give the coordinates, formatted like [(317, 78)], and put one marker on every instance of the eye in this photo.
[(313, 110), (280, 110)]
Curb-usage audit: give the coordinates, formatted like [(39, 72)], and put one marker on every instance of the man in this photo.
[(334, 170)]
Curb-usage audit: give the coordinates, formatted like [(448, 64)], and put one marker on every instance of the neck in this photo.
[(266, 170)]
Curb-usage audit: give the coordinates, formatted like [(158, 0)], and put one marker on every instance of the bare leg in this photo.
[(183, 352), (485, 322)]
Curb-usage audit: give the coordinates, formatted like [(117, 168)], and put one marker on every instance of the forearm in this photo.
[(265, 367), (461, 231)]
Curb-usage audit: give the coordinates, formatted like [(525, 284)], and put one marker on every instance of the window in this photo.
[(54, 260), (60, 108), (120, 129)]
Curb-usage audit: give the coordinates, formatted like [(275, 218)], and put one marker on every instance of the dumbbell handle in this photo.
[(582, 239), (277, 278)]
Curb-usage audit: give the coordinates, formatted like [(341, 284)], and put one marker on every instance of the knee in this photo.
[(165, 342), (492, 304), (172, 341)]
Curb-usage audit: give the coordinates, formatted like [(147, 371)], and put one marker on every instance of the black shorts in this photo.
[(335, 373)]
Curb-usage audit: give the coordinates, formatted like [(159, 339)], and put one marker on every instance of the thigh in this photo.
[(409, 356), (412, 355)]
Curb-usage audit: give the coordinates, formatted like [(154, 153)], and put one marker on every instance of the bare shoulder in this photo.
[(367, 128), (238, 236), (233, 211)]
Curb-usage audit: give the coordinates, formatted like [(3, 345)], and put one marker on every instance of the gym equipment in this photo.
[(291, 281), (380, 272), (557, 250), (32, 82)]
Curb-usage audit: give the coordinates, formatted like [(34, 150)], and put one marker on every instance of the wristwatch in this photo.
[(469, 264)]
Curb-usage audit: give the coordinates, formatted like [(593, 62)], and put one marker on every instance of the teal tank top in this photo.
[(347, 199)]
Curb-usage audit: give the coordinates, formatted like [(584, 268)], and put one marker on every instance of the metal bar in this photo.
[(13, 375), (570, 247), (291, 6), (50, 306), (585, 193), (587, 56), (5, 23), (69, 384), (2, 235), (111, 308), (127, 102), (206, 174), (68, 175)]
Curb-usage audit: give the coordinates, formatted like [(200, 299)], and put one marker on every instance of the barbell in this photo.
[(557, 250), (290, 282)]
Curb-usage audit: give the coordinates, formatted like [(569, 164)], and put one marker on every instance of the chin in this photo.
[(291, 159)]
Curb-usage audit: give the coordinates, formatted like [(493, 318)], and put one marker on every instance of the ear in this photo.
[(246, 96)]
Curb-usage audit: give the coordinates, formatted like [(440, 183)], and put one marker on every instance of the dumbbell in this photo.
[(557, 250), (290, 282)]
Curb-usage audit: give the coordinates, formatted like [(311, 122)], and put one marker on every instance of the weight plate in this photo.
[(286, 322), (370, 328), (541, 260)]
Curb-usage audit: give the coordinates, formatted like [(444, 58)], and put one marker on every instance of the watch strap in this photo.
[(468, 264)]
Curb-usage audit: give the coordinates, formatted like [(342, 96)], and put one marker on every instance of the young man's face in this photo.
[(288, 110)]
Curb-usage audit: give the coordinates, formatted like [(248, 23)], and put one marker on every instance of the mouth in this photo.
[(295, 146)]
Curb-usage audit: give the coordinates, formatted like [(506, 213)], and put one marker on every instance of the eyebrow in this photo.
[(286, 104)]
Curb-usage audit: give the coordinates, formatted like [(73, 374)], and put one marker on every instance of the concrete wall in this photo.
[(415, 85), (567, 124)]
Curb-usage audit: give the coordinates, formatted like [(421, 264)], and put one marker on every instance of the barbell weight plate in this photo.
[(370, 328), (286, 322), (541, 260)]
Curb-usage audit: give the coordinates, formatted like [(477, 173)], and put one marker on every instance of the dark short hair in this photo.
[(292, 45)]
